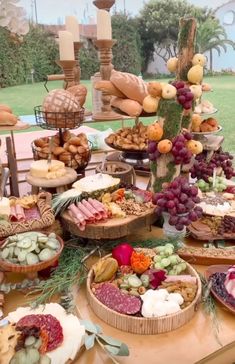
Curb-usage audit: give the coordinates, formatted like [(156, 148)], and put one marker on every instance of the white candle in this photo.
[(72, 26), (104, 29), (66, 46)]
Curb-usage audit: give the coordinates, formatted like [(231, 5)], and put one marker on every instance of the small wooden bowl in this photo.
[(27, 269), (142, 325)]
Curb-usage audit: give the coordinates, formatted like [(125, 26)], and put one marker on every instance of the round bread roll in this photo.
[(59, 101), (40, 143), (72, 149), (6, 118), (66, 135), (75, 141), (58, 150), (80, 92), (65, 157)]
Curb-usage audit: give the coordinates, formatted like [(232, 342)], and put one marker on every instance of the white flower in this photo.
[(13, 17)]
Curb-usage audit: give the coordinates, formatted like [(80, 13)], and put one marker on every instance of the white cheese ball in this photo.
[(171, 307), (161, 295), (160, 309), (147, 309), (175, 297)]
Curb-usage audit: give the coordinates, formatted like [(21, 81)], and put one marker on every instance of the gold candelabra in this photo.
[(104, 47)]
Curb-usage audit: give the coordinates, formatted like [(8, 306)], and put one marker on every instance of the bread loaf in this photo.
[(108, 86), (7, 118), (80, 92), (131, 86), (130, 107), (4, 107)]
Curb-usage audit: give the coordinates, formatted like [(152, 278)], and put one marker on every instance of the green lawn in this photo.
[(23, 98)]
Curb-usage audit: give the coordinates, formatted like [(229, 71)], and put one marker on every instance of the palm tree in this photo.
[(211, 35)]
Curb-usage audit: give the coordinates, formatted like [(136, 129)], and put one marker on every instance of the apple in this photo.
[(196, 90), (154, 89), (199, 59), (172, 64), (168, 91)]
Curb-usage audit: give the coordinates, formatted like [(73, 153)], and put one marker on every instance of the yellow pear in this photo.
[(199, 59), (168, 91), (195, 74), (196, 90), (150, 104), (172, 64)]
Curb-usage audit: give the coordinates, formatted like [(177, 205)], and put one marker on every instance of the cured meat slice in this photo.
[(93, 210), (32, 214), (99, 207), (19, 213), (112, 297), (47, 323), (86, 213), (80, 225), (13, 216)]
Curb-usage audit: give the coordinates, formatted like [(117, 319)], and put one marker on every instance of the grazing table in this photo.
[(193, 343)]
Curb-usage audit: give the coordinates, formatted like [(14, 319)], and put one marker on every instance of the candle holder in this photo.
[(104, 4), (77, 68), (104, 47), (68, 68)]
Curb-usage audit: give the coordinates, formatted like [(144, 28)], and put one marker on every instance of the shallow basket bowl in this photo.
[(16, 268), (142, 325)]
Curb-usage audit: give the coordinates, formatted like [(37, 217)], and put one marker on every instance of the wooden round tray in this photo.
[(201, 231), (111, 229), (142, 325)]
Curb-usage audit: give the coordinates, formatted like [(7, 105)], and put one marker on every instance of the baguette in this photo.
[(108, 86), (131, 86), (130, 107), (7, 118)]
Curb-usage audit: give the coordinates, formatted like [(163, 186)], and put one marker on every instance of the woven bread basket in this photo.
[(16, 268), (142, 325)]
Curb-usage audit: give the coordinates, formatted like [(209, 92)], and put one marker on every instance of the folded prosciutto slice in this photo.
[(77, 217), (87, 212), (17, 213), (99, 207)]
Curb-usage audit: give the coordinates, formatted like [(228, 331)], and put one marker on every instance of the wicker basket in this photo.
[(16, 268), (58, 120), (80, 165), (142, 325), (46, 220)]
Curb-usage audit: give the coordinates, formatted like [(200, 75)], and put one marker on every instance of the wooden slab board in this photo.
[(207, 256), (68, 178), (20, 125), (112, 229)]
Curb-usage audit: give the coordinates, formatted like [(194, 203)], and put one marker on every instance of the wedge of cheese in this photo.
[(5, 208), (41, 169)]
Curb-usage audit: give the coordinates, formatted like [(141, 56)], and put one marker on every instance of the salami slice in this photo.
[(47, 323), (116, 300)]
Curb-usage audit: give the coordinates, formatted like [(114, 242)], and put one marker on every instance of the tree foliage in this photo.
[(37, 51), (159, 26), (212, 35), (126, 53), (89, 62)]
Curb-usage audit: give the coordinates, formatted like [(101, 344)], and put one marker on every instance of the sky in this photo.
[(54, 11)]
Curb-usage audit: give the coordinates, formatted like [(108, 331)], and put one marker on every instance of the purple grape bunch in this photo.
[(180, 200), (203, 169), (184, 95), (152, 150), (180, 152)]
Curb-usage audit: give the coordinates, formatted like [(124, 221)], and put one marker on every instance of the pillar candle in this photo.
[(72, 26), (66, 46), (104, 29)]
